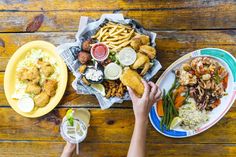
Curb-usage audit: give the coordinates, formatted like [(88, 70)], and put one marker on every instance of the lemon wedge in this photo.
[(175, 122), (99, 88)]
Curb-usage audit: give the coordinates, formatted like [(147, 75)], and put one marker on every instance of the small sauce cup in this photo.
[(99, 52)]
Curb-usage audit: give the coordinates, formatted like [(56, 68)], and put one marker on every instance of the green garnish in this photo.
[(216, 77), (113, 57), (69, 116)]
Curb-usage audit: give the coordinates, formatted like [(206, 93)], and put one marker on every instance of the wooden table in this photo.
[(181, 26)]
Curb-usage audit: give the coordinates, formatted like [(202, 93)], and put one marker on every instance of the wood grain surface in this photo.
[(53, 149), (170, 44), (166, 19), (182, 26), (113, 125)]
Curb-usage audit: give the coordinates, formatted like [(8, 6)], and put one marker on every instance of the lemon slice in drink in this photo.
[(70, 117), (99, 88), (175, 122)]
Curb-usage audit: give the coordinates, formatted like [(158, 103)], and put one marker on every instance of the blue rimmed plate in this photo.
[(167, 78)]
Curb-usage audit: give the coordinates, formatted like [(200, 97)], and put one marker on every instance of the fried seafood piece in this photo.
[(145, 40), (135, 43), (139, 40), (50, 87), (33, 88), (148, 50), (114, 88), (46, 68), (41, 99), (85, 81), (132, 79), (29, 75), (141, 61), (82, 68), (186, 78)]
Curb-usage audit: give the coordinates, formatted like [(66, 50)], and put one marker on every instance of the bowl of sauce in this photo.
[(94, 75), (112, 71), (99, 52)]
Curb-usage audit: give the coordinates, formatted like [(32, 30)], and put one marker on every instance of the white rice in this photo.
[(191, 116)]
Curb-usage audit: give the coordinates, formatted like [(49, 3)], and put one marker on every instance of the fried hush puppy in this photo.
[(33, 89), (132, 79), (86, 45), (49, 87), (41, 99), (84, 57)]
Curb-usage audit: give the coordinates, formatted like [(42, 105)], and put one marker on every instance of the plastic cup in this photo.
[(78, 132)]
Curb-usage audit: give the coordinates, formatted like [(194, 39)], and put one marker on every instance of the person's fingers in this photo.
[(158, 94), (131, 92), (153, 90), (146, 89)]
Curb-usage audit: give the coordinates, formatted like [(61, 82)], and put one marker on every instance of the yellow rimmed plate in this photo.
[(10, 77)]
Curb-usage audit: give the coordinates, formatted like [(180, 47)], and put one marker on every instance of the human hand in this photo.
[(142, 106)]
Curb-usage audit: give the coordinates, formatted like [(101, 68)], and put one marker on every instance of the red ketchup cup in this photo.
[(99, 52)]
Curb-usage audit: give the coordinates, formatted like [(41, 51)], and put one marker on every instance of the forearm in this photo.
[(137, 146), (68, 150), (66, 154)]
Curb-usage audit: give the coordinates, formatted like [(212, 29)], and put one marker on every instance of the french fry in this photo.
[(112, 30), (98, 33), (122, 45), (122, 29), (101, 34), (104, 38), (120, 41), (115, 36), (111, 39)]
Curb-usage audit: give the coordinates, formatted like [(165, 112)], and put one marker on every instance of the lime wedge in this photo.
[(175, 122), (99, 88), (70, 117)]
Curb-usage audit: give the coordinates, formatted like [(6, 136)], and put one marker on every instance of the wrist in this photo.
[(141, 122)]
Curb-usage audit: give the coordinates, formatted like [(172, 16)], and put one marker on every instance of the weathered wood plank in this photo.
[(45, 5), (113, 125), (215, 17), (54, 149), (170, 44)]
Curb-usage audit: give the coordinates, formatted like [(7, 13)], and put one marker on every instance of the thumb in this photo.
[(131, 92)]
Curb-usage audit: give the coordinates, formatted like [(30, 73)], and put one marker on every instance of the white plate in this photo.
[(167, 79)]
